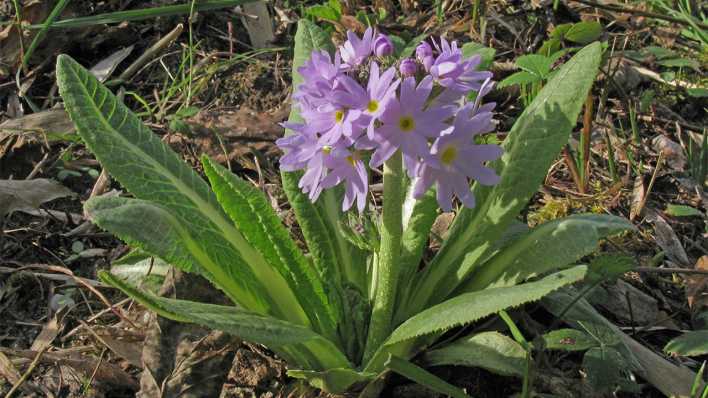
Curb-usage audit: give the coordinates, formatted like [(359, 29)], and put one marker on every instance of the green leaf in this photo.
[(520, 78), (682, 211), (604, 367), (584, 32), (423, 377), (697, 92), (550, 246), (486, 54), (581, 315), (274, 333), (680, 63), (533, 144), (333, 381), (255, 218), (141, 269), (549, 46), (568, 340), (535, 64), (151, 171), (659, 52), (470, 307), (560, 31), (323, 11), (689, 344), (492, 351), (609, 267)]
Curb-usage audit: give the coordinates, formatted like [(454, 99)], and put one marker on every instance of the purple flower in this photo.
[(320, 76), (408, 67), (380, 90), (303, 151), (453, 72), (454, 158), (355, 51), (347, 167), (299, 147), (408, 125), (383, 45)]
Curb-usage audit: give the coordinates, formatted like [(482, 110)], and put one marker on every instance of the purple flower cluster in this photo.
[(356, 113)]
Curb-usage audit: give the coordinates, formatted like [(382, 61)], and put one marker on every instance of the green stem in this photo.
[(389, 255)]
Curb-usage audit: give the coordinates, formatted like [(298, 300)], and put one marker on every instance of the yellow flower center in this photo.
[(326, 149), (339, 116), (406, 124), (372, 106), (353, 158), (448, 155)]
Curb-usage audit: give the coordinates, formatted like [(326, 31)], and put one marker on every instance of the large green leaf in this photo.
[(256, 219), (532, 145), (281, 336), (492, 351), (142, 163), (551, 246)]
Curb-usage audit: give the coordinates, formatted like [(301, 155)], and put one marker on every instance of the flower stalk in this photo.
[(380, 325)]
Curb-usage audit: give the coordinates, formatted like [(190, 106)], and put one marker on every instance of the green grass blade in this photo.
[(141, 14), (58, 8), (257, 221), (151, 171), (274, 333)]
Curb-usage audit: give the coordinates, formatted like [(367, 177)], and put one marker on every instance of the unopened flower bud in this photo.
[(383, 46), (423, 50), (408, 67)]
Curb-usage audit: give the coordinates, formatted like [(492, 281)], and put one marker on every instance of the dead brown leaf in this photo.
[(673, 153), (638, 193), (29, 194), (667, 239), (130, 350), (50, 331), (103, 371), (697, 287)]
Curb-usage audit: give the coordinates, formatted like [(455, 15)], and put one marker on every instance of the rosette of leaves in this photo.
[(314, 309)]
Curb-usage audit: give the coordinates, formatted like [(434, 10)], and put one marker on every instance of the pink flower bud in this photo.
[(408, 67), (383, 46)]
